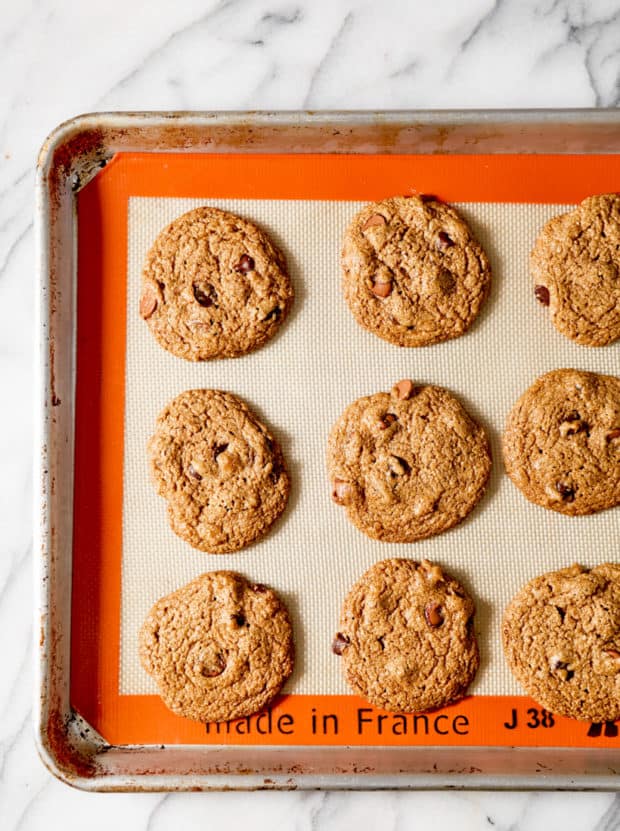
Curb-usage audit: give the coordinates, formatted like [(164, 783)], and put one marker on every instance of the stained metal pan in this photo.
[(70, 157)]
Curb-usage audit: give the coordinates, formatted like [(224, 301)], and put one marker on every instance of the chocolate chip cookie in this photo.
[(575, 264), (214, 286), (406, 637), (220, 469), (562, 442), (413, 272), (407, 464), (219, 648), (561, 636)]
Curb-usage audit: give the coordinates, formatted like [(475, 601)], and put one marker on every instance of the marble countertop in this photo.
[(61, 58)]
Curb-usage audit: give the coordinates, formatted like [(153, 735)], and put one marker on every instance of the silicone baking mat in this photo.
[(299, 383)]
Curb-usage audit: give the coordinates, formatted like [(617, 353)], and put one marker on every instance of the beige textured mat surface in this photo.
[(299, 383)]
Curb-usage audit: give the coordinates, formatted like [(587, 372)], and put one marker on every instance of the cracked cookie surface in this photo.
[(406, 637), (407, 464), (561, 444), (561, 637), (575, 265), (220, 469), (218, 648), (412, 271), (213, 286)]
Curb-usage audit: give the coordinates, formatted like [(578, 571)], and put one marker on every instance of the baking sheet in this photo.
[(462, 155), (299, 383)]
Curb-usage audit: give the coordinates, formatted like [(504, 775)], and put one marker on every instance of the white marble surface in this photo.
[(61, 58)]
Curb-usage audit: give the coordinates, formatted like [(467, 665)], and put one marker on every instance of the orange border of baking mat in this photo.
[(97, 546)]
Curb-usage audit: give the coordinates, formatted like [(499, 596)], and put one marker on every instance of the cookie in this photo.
[(214, 286), (406, 637), (220, 469), (561, 444), (412, 271), (219, 648), (575, 264), (561, 636), (407, 464)]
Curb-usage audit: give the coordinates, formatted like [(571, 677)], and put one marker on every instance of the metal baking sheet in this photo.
[(70, 158)]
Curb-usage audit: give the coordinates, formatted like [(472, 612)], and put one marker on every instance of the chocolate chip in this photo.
[(611, 730), (274, 314), (403, 389), (193, 473), (573, 425), (204, 296), (594, 731), (340, 491), (446, 281), (542, 295), (444, 241), (148, 302), (566, 492), (340, 643), (217, 668), (259, 588), (245, 264), (239, 620), (387, 420), (613, 434), (382, 290), (573, 416), (561, 668), (219, 448), (427, 197), (433, 615), (375, 221)]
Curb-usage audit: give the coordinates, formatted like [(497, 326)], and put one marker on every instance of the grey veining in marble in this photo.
[(61, 58)]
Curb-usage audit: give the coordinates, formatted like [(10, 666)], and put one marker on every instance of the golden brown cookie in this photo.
[(213, 286), (406, 637), (219, 648), (220, 469), (561, 636), (407, 464), (562, 442), (575, 264), (412, 271)]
